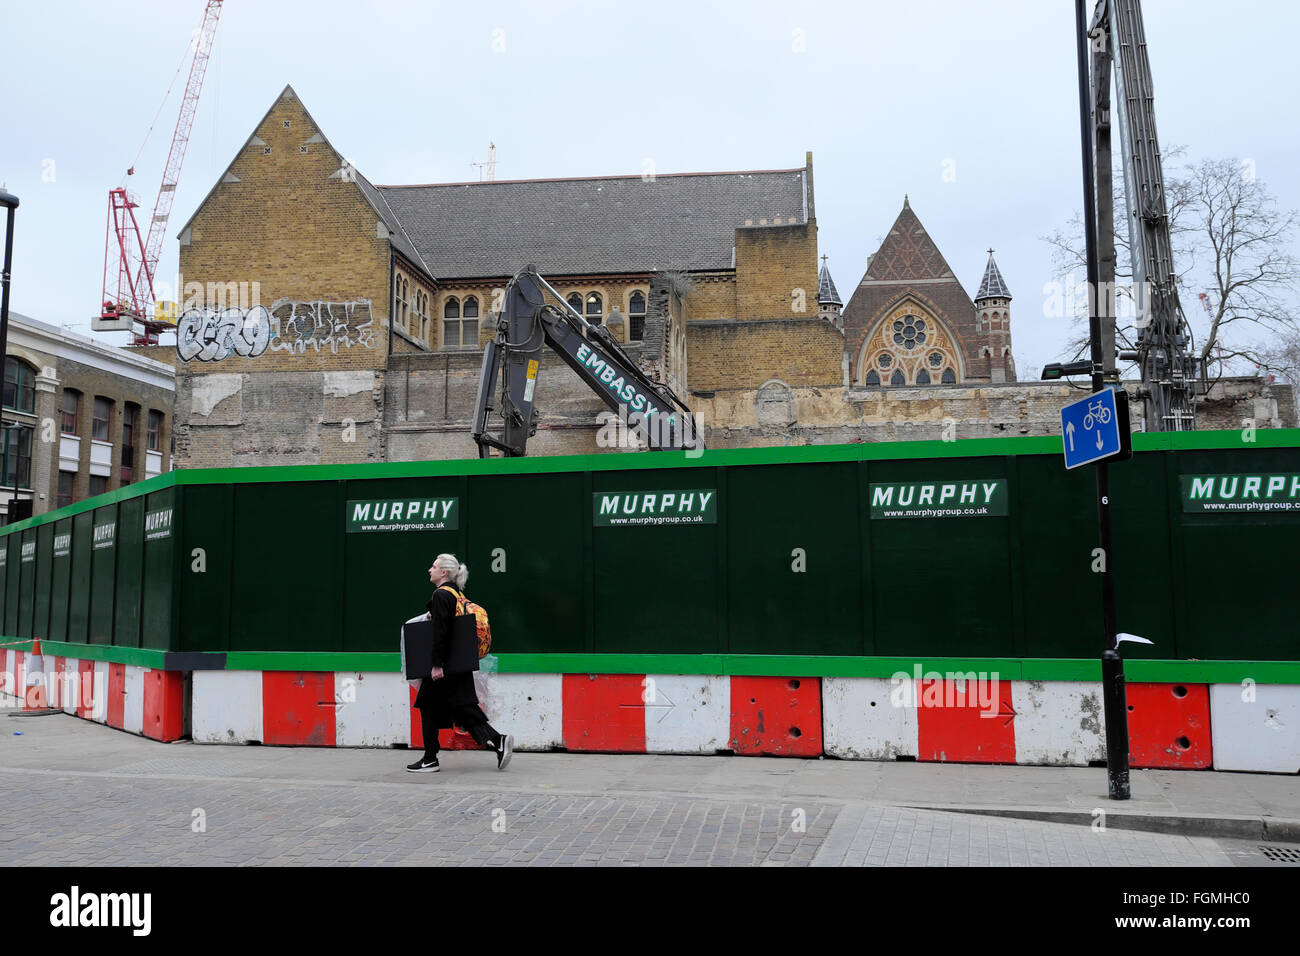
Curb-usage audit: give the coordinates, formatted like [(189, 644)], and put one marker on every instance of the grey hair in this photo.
[(459, 572)]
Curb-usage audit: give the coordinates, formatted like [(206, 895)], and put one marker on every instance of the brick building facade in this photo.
[(81, 417)]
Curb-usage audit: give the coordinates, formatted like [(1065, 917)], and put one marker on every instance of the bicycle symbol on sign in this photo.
[(1098, 413)]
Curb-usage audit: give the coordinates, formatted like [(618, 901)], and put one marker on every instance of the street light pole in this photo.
[(1114, 701), (10, 202)]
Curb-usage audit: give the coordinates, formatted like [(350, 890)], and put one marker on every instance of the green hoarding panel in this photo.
[(27, 600), (130, 566), (528, 539), (656, 587), (1238, 566), (60, 578), (103, 573), (1144, 580), (794, 572), (942, 585), (13, 544), (159, 563), (206, 534), (387, 571), (287, 578), (79, 600), (44, 568)]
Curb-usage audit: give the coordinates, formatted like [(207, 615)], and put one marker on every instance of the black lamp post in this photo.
[(10, 202)]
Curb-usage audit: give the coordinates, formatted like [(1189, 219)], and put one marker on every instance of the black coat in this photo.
[(451, 699)]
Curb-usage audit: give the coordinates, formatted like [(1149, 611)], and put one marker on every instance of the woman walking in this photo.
[(447, 700)]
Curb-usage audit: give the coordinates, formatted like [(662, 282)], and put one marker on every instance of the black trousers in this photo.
[(469, 717)]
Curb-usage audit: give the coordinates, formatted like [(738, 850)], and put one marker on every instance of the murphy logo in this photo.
[(1272, 491), (29, 552), (132, 910), (404, 514), (105, 535), (158, 525), (62, 545), (979, 497), (626, 508)]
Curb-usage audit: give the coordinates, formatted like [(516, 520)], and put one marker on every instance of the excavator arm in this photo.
[(534, 317)]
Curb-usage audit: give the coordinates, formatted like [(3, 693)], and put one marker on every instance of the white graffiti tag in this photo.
[(211, 335), (317, 325)]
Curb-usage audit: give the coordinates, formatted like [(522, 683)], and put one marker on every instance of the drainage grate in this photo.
[(1280, 854)]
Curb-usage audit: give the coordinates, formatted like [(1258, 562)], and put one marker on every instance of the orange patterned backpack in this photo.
[(466, 606)]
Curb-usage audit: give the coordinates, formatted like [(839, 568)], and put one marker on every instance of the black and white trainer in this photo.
[(424, 765), (505, 746)]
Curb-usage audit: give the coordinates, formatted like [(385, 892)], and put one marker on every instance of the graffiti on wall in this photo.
[(290, 325)]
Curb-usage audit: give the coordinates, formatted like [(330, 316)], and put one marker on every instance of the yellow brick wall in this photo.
[(747, 354), (776, 271), (712, 296), (297, 233)]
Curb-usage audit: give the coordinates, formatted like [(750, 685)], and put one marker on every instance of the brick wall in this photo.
[(806, 351), (776, 271)]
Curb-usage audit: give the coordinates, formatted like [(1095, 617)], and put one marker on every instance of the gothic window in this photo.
[(908, 345), (923, 377), (897, 378), (636, 316), (873, 378), (936, 359), (885, 360), (575, 300), (948, 377), (595, 308), (451, 323)]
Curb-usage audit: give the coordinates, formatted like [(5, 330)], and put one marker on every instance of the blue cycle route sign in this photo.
[(1090, 429)]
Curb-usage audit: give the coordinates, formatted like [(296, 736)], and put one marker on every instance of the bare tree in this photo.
[(1231, 243)]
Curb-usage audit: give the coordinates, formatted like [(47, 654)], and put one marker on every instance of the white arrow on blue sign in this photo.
[(1090, 429)]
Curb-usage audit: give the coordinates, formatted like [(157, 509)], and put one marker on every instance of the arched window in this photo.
[(451, 309), (636, 316), (20, 385), (948, 377), (897, 378), (451, 323), (575, 300), (922, 377), (595, 308), (471, 308), (873, 378)]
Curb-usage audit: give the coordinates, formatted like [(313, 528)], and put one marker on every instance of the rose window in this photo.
[(909, 331)]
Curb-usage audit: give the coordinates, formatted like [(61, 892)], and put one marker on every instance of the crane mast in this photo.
[(1163, 352), (130, 260)]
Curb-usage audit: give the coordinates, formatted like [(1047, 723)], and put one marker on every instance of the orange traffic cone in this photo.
[(35, 702)]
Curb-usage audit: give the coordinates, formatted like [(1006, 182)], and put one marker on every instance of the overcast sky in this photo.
[(888, 96)]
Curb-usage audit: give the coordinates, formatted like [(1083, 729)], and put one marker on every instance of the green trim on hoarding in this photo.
[(135, 656), (784, 455), (312, 661)]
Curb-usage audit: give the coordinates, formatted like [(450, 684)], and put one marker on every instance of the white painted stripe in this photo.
[(1255, 727), (864, 718), (1058, 723), (526, 706), (373, 709), (687, 714), (226, 707), (99, 711), (71, 685), (133, 702)]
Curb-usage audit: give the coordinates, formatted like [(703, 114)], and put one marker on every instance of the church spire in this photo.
[(993, 285), (829, 303)]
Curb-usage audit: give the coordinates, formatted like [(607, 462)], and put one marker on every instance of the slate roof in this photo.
[(993, 284), (611, 224), (826, 292)]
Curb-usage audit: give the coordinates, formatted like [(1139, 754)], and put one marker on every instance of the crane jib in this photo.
[(610, 377)]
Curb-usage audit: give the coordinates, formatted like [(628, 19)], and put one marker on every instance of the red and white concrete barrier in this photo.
[(1256, 727)]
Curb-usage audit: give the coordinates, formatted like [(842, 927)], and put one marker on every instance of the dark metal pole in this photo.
[(10, 202), (1112, 666)]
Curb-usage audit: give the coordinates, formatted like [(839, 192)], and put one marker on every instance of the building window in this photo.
[(98, 485), (897, 378), (130, 430), (451, 323), (575, 300), (636, 316), (20, 386), (469, 322), (71, 406), (155, 430), (66, 478), (922, 377), (595, 308), (948, 377), (103, 412), (873, 378), (401, 308), (17, 456)]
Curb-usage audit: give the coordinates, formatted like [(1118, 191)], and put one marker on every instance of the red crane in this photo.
[(130, 260)]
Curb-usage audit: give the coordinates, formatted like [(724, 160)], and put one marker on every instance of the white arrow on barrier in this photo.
[(1069, 434), (1099, 441)]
